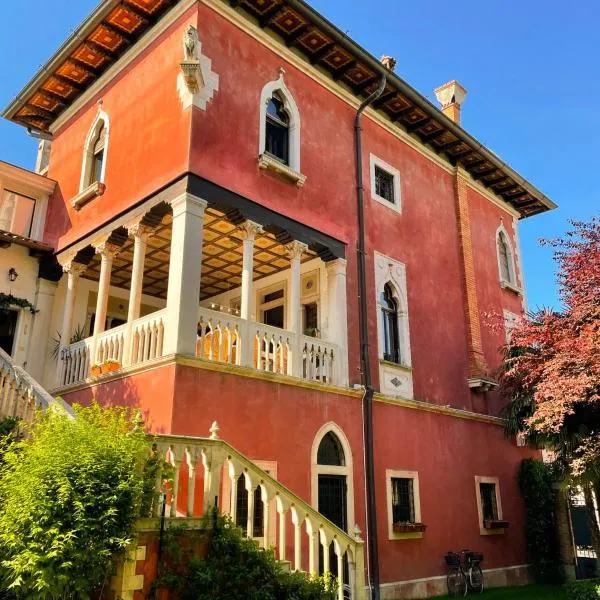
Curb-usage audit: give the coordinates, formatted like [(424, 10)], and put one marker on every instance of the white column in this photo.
[(37, 354), (295, 251), (249, 230), (73, 271), (107, 253), (140, 234), (185, 265), (337, 317)]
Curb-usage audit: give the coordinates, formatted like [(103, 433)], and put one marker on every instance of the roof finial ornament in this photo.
[(100, 104), (281, 73)]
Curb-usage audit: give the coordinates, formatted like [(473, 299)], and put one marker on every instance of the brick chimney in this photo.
[(451, 95)]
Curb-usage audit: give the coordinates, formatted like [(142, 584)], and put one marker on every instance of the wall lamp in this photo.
[(12, 274)]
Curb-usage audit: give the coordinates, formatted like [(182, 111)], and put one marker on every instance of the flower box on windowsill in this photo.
[(89, 193), (495, 524), (269, 163), (511, 287), (409, 527)]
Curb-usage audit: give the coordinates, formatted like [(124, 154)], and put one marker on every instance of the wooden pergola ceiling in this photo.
[(221, 258), (107, 34)]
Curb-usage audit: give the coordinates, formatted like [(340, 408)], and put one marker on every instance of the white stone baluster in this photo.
[(192, 462), (325, 546), (313, 546), (297, 539), (282, 512)]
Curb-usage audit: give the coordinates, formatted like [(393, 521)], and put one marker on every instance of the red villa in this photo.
[(191, 231)]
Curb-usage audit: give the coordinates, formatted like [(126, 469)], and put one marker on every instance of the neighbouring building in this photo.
[(197, 186)]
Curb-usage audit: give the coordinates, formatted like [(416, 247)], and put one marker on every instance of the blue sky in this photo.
[(531, 69)]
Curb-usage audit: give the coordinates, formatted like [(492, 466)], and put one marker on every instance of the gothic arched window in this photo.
[(277, 134), (389, 313), (505, 259), (330, 451)]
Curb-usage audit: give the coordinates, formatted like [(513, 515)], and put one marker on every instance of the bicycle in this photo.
[(463, 572)]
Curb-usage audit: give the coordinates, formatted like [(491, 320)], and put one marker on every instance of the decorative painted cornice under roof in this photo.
[(117, 24)]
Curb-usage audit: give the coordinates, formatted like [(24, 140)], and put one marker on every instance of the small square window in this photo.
[(404, 508), (489, 505), (403, 500), (384, 184)]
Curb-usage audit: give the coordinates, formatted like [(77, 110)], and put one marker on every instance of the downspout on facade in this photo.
[(365, 365)]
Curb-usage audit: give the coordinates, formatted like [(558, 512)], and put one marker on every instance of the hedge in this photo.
[(583, 590)]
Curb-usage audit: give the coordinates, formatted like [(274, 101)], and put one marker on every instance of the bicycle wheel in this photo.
[(456, 582), (476, 579)]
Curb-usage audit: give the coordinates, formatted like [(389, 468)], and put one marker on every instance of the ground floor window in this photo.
[(8, 329), (489, 506), (403, 500), (404, 504)]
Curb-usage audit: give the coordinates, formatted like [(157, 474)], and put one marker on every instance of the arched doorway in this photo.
[(332, 481), (332, 486)]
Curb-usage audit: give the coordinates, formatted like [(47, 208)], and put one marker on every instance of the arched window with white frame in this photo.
[(393, 330), (506, 260), (279, 135), (95, 152), (389, 316)]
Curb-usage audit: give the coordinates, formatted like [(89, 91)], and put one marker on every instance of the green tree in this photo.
[(70, 494)]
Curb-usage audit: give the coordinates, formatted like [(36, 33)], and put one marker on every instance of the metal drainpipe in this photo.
[(365, 365)]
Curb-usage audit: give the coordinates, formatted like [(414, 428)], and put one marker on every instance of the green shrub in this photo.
[(536, 483), (583, 590), (70, 495), (235, 568)]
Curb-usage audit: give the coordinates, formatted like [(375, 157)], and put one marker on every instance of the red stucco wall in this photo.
[(275, 422), (148, 145)]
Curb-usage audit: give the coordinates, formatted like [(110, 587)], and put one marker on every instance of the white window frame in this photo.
[(496, 481), (393, 272), (396, 474), (291, 108), (347, 470), (395, 173), (511, 320), (88, 150), (512, 282), (394, 379), (283, 301)]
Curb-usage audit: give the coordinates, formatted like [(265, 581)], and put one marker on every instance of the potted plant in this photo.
[(96, 370), (409, 527), (110, 365), (495, 524)]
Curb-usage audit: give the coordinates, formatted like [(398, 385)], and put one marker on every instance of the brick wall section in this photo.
[(477, 365)]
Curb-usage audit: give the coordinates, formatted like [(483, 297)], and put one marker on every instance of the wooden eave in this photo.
[(118, 24)]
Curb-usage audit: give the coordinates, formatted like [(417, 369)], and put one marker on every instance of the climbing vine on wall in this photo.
[(8, 300)]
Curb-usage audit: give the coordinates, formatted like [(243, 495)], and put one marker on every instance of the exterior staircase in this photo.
[(217, 466), (206, 474), (21, 394)]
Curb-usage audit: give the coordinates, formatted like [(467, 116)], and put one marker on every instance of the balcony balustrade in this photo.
[(221, 337)]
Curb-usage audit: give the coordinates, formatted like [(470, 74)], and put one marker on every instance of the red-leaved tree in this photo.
[(551, 374), (553, 357)]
